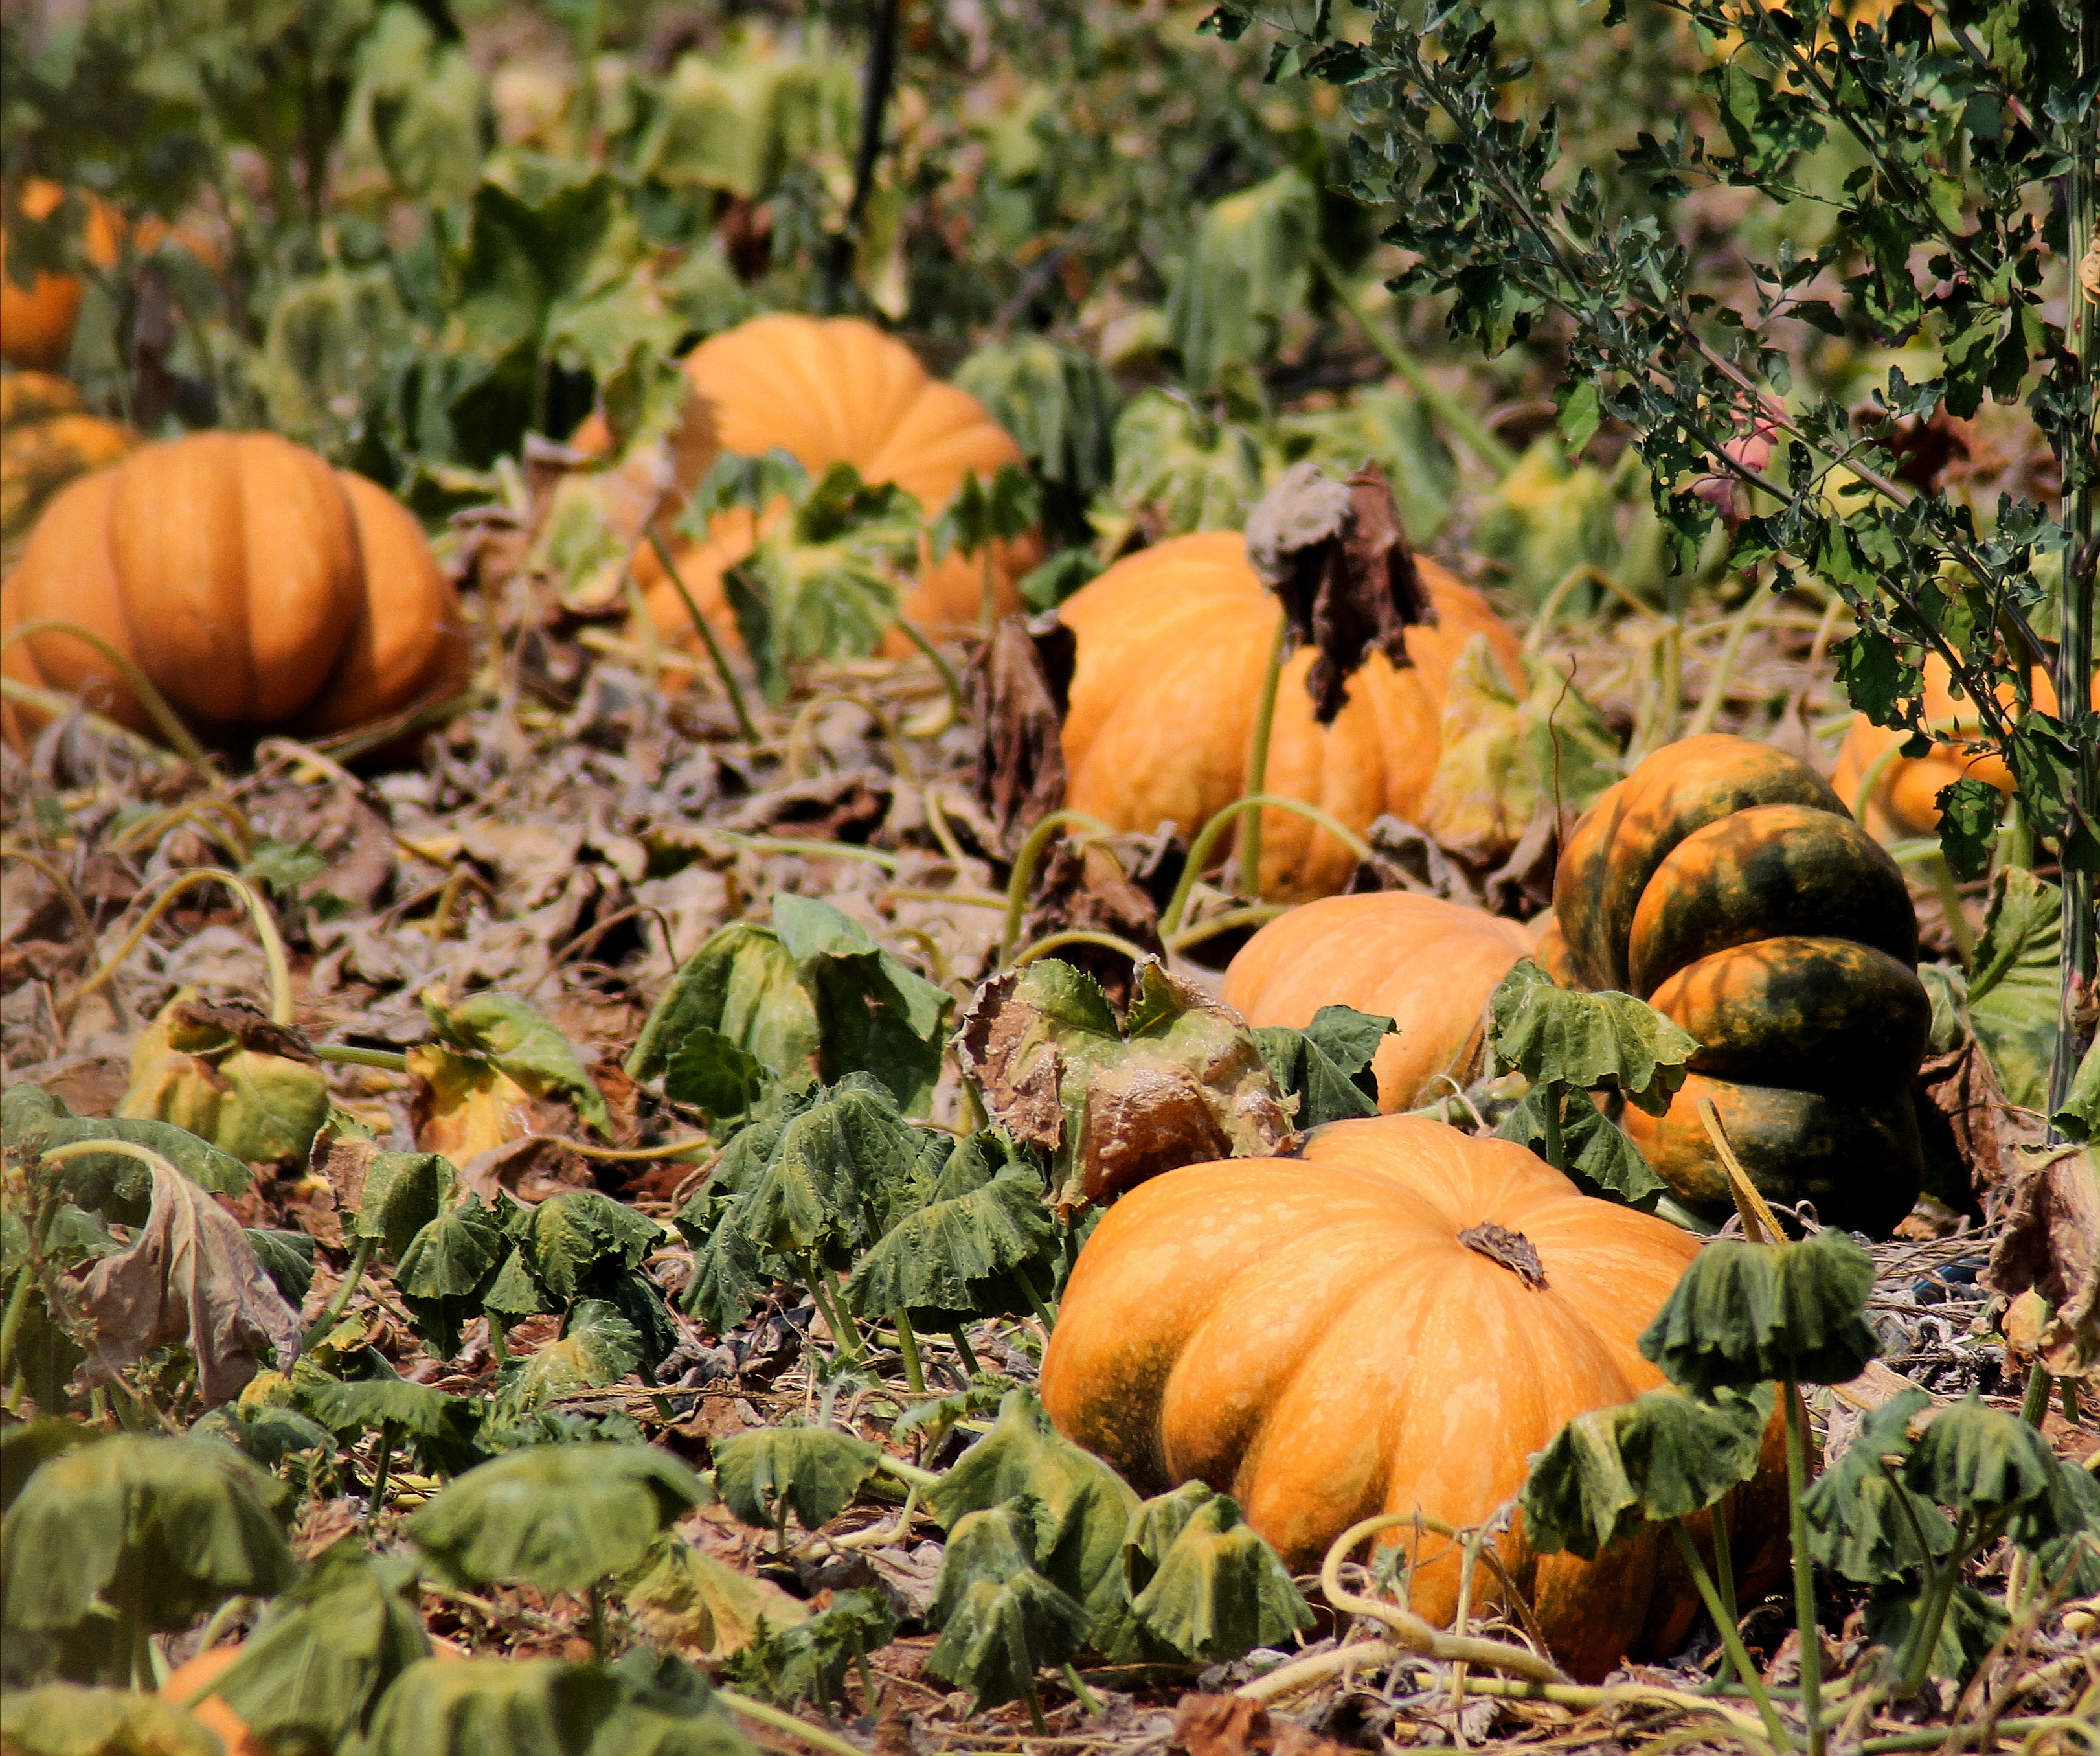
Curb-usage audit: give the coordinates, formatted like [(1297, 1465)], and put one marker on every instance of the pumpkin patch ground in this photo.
[(1048, 878)]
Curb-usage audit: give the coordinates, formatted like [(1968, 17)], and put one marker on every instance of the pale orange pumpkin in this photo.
[(1905, 798), (48, 440), (827, 391), (1334, 1336), (1173, 643), (37, 321), (257, 587), (1428, 965)]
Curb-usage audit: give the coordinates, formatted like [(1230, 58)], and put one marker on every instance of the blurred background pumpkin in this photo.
[(46, 439)]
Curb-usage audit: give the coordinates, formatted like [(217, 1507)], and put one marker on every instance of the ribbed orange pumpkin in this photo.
[(1332, 1337), (37, 321), (1428, 965), (1906, 793), (257, 588), (827, 391), (1173, 642), (1723, 882)]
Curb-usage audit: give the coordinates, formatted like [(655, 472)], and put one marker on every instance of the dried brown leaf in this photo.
[(1230, 1725), (189, 1278), (1963, 1116), (1087, 890), (2051, 1245), (1019, 690)]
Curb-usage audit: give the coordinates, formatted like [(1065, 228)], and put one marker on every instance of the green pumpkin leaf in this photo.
[(570, 1235), (1663, 1456), (743, 985), (1743, 1314), (874, 1013), (523, 1046), (1327, 1066), (522, 1707), (1246, 268), (175, 1526), (1971, 1627), (327, 1650), (684, 1597), (812, 1471), (807, 1660), (390, 1197), (1178, 469), (447, 1266), (1001, 1620), (555, 1517), (1586, 1039), (830, 1174), (715, 1075), (1059, 404), (33, 1122), (415, 1411), (2014, 987), (729, 1271), (287, 1257), (1983, 1460), (933, 1418), (1089, 1505), (26, 1447), (269, 1435), (1600, 1159), (2079, 1118), (1200, 1579), (69, 1719), (597, 1347), (1863, 1523), (938, 1257)]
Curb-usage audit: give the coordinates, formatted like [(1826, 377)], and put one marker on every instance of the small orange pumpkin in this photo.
[(47, 439), (1394, 1321), (1173, 643), (37, 321), (1426, 964), (257, 587), (827, 391)]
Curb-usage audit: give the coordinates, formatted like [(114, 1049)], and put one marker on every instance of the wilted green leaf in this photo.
[(1972, 1625), (985, 1219), (229, 1075), (68, 1720), (1247, 267), (1059, 404), (440, 1428), (569, 1235), (685, 1597), (25, 1448), (807, 1660), (933, 1418), (446, 1266), (1664, 1456), (715, 1075), (1863, 1523), (326, 1650), (2079, 1119), (1179, 470), (1201, 1578), (826, 1183), (556, 1517), (522, 1044), (1981, 1461), (875, 1015), (1001, 1620), (812, 1471), (523, 1707), (741, 985), (33, 1122), (1744, 1314), (287, 1258), (1586, 1040), (390, 1197), (596, 1348), (1600, 1159), (2014, 987), (1327, 1066), (979, 515)]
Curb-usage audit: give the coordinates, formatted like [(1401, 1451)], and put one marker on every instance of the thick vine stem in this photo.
[(141, 686), (266, 929), (1206, 842), (53, 705), (1409, 1632)]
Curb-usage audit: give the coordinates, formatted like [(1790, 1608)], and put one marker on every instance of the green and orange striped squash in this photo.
[(1347, 1332), (1725, 882)]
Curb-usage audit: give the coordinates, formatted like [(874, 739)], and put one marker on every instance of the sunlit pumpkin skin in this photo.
[(257, 587), (37, 321), (1313, 1337), (1905, 798), (1428, 965), (827, 391), (1172, 645), (1725, 883), (209, 1711)]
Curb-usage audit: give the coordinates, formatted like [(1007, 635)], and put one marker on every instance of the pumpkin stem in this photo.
[(1513, 1250)]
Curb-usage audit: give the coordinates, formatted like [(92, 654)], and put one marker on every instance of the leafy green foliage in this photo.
[(1665, 1456), (1970, 1626), (1001, 1620), (33, 1122), (1060, 405), (68, 1720), (1983, 1461), (440, 1426), (807, 1660), (1327, 1065), (877, 1015), (1743, 1314), (556, 1517), (983, 513), (1203, 1581), (1586, 1039), (1863, 1521), (2012, 985), (812, 1471), (1597, 1155), (522, 1044), (1247, 267), (743, 986)]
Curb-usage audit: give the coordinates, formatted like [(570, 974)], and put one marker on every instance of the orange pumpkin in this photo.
[(1173, 643), (1428, 965), (1906, 791), (46, 440), (827, 391), (257, 587), (1344, 1333), (210, 1712), (1725, 882), (37, 321)]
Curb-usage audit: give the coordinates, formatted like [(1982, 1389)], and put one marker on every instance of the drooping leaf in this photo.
[(1982, 1460), (1600, 1159), (1177, 470), (326, 1650), (72, 1719), (829, 1178), (808, 1659), (1327, 1066), (189, 1276), (1059, 404), (2014, 987), (875, 1015), (1743, 1314), (940, 1258), (1971, 1627), (1246, 268), (286, 1257), (228, 1075), (1001, 1620), (812, 1471), (25, 1448), (523, 1046), (446, 1268), (596, 1348), (555, 1517), (983, 513), (1586, 1040), (932, 1418), (741, 985), (1183, 1082), (1200, 1579), (1088, 1504), (2079, 1116), (1663, 1456), (440, 1426), (389, 1197), (1863, 1523), (572, 1235), (172, 1527), (32, 1122), (715, 1075), (683, 1598)]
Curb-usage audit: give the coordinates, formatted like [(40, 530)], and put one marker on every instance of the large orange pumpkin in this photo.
[(827, 391), (1725, 883), (257, 587), (1428, 965), (1349, 1333), (1906, 793), (1173, 643)]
